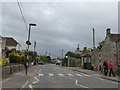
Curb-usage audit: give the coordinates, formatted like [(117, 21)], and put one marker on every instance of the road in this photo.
[(55, 76)]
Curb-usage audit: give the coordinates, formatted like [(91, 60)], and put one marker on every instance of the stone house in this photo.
[(77, 51), (109, 48), (11, 43), (118, 52)]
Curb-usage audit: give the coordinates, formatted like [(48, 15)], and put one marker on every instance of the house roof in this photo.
[(10, 41), (115, 37)]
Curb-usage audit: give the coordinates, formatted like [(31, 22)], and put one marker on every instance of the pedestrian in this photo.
[(110, 66), (26, 67), (100, 67), (105, 66)]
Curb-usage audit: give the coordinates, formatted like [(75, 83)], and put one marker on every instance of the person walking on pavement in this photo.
[(110, 66), (26, 67), (100, 67), (105, 66)]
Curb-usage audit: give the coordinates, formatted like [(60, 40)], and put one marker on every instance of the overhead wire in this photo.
[(22, 14)]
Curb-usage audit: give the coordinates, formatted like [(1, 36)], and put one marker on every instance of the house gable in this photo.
[(11, 42)]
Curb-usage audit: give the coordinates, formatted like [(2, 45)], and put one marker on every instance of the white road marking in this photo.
[(60, 74), (40, 75), (30, 86), (50, 74), (84, 86), (70, 75), (76, 82), (25, 84), (101, 79), (78, 75), (37, 80), (115, 82), (86, 75)]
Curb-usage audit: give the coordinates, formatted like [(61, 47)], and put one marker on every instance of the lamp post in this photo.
[(28, 41)]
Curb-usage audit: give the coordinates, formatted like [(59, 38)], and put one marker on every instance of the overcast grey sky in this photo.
[(60, 25)]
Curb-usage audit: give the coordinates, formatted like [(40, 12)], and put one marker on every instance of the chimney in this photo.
[(108, 32)]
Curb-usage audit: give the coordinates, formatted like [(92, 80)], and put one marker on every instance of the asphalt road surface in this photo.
[(55, 76)]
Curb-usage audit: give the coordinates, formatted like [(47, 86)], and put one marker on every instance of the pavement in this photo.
[(90, 72), (19, 79)]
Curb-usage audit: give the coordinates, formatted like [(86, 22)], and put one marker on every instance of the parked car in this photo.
[(58, 62), (41, 62)]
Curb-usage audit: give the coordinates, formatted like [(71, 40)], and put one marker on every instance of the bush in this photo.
[(3, 62), (14, 57)]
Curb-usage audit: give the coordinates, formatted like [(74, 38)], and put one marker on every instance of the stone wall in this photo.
[(8, 70), (73, 62)]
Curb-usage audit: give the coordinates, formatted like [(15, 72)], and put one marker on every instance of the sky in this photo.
[(60, 25)]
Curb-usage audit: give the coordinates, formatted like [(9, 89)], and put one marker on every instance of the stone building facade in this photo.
[(109, 48)]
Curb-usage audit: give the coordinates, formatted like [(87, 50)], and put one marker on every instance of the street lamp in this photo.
[(28, 41)]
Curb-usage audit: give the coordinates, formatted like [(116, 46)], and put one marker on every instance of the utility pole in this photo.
[(34, 45), (93, 38), (49, 53), (93, 48), (45, 53), (62, 53)]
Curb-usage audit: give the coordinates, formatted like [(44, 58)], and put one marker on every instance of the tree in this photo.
[(85, 51), (100, 45)]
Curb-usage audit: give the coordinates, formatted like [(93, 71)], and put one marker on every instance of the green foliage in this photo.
[(71, 54), (85, 51), (46, 59), (100, 45), (3, 62)]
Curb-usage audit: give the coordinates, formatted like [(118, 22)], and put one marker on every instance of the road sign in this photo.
[(28, 42)]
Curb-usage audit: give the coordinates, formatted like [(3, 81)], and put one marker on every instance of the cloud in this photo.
[(60, 25)]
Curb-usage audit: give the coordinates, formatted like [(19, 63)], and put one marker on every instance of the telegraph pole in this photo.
[(62, 53), (93, 48), (93, 38), (34, 45)]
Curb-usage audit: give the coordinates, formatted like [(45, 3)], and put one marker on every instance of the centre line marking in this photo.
[(40, 75), (70, 75), (50, 74), (60, 74)]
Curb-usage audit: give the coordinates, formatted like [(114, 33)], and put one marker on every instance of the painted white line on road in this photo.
[(37, 80), (83, 86), (76, 82), (78, 75), (25, 84), (40, 75), (70, 75), (86, 75), (60, 74), (101, 79), (115, 82), (50, 74), (30, 86)]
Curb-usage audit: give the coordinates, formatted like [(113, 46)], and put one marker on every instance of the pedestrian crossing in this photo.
[(61, 75)]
